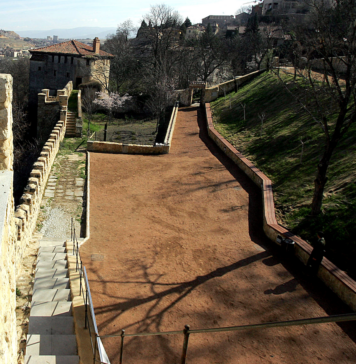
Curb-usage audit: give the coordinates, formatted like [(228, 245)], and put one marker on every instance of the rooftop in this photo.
[(72, 47)]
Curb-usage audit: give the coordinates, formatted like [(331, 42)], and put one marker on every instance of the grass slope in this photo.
[(276, 149)]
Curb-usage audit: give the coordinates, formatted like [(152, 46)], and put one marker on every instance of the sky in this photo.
[(66, 14)]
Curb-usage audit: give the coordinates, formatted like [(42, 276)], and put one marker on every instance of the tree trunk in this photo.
[(320, 181)]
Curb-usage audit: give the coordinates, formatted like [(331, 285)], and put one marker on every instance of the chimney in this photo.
[(96, 45)]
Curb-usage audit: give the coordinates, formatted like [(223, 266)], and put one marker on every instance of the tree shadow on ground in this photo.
[(315, 288)]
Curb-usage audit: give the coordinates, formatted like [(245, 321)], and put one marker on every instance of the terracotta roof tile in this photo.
[(72, 47)]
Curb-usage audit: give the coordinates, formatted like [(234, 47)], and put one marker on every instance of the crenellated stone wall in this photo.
[(8, 339), (49, 109), (17, 227)]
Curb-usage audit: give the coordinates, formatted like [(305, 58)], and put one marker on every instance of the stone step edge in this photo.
[(70, 359), (78, 308)]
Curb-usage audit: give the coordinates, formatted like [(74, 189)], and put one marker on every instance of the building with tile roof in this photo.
[(54, 66)]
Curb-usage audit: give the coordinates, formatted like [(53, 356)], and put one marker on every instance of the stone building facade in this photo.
[(54, 66)]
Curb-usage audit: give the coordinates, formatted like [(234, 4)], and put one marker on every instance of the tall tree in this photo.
[(328, 41)]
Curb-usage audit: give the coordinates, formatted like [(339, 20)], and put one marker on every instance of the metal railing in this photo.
[(99, 353), (187, 331)]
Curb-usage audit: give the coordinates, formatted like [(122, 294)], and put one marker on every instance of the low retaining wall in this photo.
[(337, 280), (212, 93), (119, 148)]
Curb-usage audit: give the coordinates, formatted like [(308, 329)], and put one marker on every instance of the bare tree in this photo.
[(328, 43), (125, 67)]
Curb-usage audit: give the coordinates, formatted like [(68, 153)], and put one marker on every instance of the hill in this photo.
[(75, 33), (9, 34), (276, 149)]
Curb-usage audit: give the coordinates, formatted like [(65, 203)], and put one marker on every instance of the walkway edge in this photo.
[(87, 204), (336, 279)]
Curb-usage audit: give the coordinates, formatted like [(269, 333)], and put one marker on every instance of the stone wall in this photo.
[(212, 93), (27, 212), (8, 259), (49, 109), (119, 148), (337, 280)]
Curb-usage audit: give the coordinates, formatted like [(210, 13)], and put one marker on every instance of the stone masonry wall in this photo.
[(49, 108), (8, 338), (16, 227)]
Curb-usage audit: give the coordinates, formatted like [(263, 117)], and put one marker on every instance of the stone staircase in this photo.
[(51, 338), (71, 125)]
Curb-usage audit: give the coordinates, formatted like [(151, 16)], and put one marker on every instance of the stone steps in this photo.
[(51, 338), (71, 125)]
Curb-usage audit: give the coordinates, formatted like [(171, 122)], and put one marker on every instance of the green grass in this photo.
[(73, 101), (129, 129), (277, 150)]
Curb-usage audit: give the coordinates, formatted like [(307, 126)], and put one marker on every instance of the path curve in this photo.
[(177, 239)]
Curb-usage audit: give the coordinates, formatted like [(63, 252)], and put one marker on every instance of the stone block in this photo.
[(36, 173), (5, 90), (6, 122), (39, 166)]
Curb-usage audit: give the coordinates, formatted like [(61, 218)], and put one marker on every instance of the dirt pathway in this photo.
[(177, 239)]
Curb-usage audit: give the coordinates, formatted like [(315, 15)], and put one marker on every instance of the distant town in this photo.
[(16, 47)]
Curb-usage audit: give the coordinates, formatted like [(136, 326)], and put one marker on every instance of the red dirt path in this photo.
[(177, 239)]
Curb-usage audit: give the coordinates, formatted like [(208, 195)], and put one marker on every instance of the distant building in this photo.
[(194, 31), (221, 20), (49, 37), (55, 39), (241, 19), (257, 9), (54, 66), (281, 7)]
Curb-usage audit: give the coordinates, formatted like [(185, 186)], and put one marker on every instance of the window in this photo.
[(67, 74), (65, 59), (88, 62), (52, 58), (54, 73), (39, 68), (71, 60), (59, 59)]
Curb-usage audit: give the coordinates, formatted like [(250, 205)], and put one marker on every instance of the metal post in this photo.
[(80, 281), (76, 260), (185, 343), (122, 345), (86, 309), (95, 349), (105, 131)]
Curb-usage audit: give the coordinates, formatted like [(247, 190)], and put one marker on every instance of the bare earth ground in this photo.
[(177, 239)]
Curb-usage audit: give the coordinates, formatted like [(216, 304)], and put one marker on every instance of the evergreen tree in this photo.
[(187, 22)]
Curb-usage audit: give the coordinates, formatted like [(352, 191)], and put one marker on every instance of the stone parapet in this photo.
[(8, 246), (119, 148), (212, 93), (337, 280), (6, 145)]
